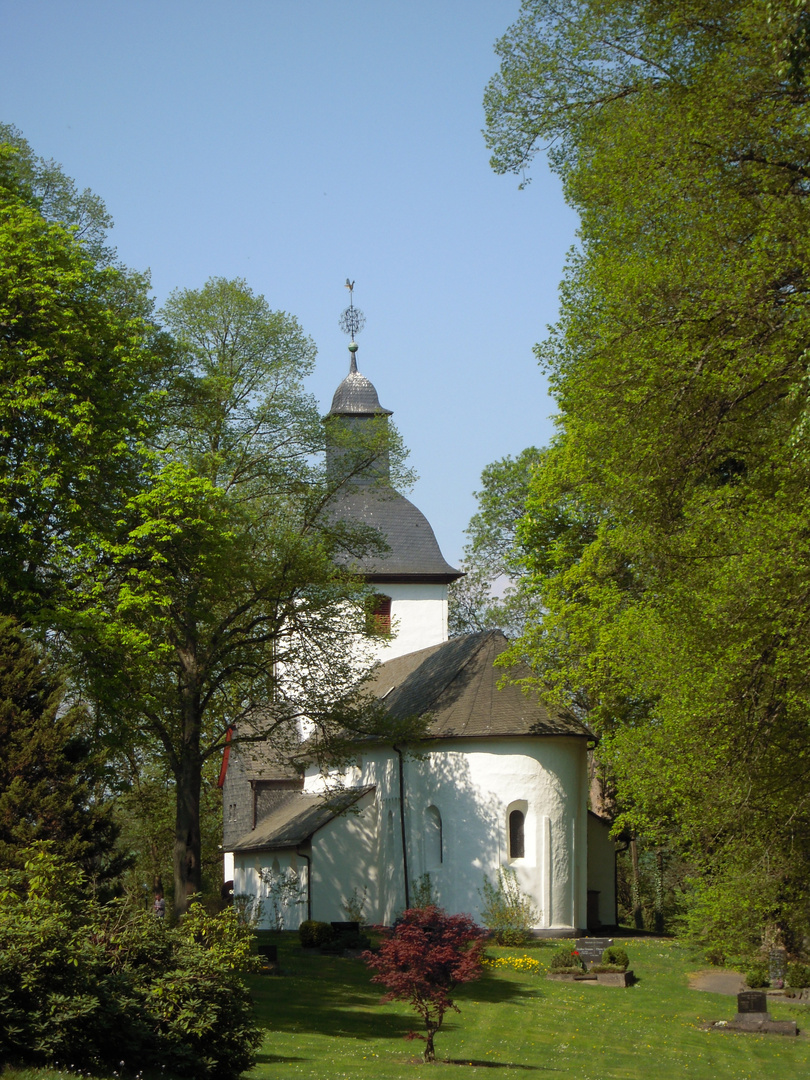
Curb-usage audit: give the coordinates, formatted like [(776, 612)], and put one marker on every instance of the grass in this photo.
[(327, 1023), (324, 1022)]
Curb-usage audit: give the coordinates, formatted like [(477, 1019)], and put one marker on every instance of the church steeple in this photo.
[(412, 559), (356, 415), (356, 395), (355, 420)]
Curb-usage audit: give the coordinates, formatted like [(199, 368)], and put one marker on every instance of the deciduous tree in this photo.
[(673, 581), (426, 957), (226, 606), (81, 374)]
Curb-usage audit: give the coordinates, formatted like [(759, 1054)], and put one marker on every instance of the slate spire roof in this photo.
[(414, 554), (356, 395)]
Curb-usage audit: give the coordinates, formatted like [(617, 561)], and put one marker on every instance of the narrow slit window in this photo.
[(517, 846), (434, 854)]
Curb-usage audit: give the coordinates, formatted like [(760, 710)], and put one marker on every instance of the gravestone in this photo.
[(590, 949), (777, 967), (752, 1005), (753, 1017)]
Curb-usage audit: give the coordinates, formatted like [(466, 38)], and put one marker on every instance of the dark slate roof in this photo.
[(356, 396), (259, 757), (297, 819), (413, 553), (457, 684), (262, 761)]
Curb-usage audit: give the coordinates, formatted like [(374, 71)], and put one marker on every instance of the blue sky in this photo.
[(297, 143)]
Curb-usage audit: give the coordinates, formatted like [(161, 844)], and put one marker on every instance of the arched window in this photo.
[(517, 844), (434, 854), (378, 615)]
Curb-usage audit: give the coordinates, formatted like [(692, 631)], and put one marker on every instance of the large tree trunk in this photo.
[(188, 778), (187, 843)]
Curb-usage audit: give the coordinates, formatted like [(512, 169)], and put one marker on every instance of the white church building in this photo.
[(500, 781)]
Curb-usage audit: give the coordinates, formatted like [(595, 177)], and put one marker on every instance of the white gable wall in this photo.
[(418, 618), (254, 873), (344, 863)]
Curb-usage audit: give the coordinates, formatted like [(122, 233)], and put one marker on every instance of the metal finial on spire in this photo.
[(352, 320)]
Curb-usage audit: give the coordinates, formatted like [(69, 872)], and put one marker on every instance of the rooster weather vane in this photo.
[(352, 320)]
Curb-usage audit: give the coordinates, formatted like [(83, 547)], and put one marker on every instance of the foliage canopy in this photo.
[(98, 984), (667, 528), (82, 370)]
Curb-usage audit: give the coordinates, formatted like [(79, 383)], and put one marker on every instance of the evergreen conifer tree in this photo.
[(51, 779)]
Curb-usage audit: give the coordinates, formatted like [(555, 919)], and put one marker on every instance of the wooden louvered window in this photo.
[(378, 616)]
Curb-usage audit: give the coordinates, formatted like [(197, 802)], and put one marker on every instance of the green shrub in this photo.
[(757, 977), (104, 983), (351, 939), (422, 892), (604, 969), (716, 957), (565, 958), (313, 934), (507, 912), (798, 975), (615, 957)]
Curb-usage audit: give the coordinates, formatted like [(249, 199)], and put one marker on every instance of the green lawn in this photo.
[(324, 1022)]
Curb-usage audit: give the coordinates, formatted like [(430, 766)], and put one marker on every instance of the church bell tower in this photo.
[(409, 579)]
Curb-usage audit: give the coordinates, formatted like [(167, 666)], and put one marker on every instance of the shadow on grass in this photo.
[(499, 990), (490, 1064), (277, 1059), (338, 1001), (335, 997)]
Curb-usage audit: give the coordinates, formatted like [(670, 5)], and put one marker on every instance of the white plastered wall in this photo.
[(418, 618), (344, 864), (472, 784), (253, 875)]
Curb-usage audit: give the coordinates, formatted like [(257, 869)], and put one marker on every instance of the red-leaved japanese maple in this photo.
[(426, 957)]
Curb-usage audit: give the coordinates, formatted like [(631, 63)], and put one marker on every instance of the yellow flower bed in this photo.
[(527, 964)]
